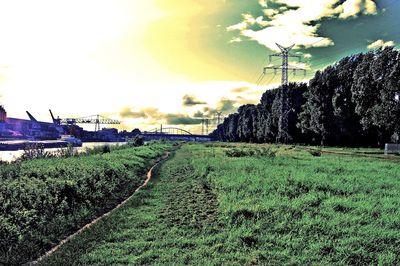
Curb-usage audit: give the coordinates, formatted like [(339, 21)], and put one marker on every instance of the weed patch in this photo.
[(249, 152)]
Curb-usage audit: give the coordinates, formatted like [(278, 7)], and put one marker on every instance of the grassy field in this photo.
[(237, 204), (43, 200)]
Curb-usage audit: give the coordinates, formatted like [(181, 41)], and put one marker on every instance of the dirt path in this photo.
[(89, 225), (174, 221), (191, 202)]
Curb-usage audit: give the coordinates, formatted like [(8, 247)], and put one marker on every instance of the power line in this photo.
[(285, 67), (258, 67), (283, 123), (270, 80), (258, 81)]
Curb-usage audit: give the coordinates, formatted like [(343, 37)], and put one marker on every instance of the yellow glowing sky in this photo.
[(83, 57)]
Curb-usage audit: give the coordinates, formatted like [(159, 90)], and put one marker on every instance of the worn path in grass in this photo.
[(237, 204), (174, 220), (149, 175)]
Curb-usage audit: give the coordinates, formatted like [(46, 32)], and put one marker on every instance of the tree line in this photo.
[(354, 102)]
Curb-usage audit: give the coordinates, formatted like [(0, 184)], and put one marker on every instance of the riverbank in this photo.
[(10, 156), (44, 200), (16, 145)]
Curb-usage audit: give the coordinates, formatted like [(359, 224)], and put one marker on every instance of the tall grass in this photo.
[(303, 209), (209, 208), (44, 199)]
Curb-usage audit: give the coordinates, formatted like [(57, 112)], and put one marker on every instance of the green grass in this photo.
[(208, 208), (43, 200)]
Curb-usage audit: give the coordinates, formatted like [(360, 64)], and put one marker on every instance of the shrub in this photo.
[(34, 151), (249, 152), (267, 152), (315, 152), (106, 149), (136, 141)]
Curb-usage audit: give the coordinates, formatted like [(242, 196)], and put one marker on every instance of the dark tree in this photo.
[(350, 103)]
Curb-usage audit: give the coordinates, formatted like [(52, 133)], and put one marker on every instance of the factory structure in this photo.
[(32, 129), (15, 128)]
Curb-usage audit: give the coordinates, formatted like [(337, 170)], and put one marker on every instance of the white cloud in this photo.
[(235, 40), (300, 65), (269, 12), (352, 8), (295, 25), (263, 3), (240, 26), (380, 44), (248, 20)]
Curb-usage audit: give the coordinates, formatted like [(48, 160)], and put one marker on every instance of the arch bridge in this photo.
[(170, 130), (174, 133)]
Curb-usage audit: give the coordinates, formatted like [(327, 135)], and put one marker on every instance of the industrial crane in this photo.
[(93, 119)]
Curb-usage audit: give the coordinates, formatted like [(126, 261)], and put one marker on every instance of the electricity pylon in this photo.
[(218, 115), (283, 123), (285, 67), (204, 126)]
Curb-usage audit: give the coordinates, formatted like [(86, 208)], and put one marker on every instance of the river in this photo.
[(9, 156)]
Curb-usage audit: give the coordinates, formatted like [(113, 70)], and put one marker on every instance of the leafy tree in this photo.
[(350, 103)]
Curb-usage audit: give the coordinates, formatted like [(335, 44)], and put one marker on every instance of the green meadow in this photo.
[(243, 204)]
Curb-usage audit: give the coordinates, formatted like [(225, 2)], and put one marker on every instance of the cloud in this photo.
[(270, 12), (156, 117), (146, 113), (127, 112), (235, 40), (152, 113), (244, 101), (263, 3), (248, 20), (297, 21), (380, 44), (240, 90), (181, 119), (198, 114), (239, 26), (225, 106), (190, 100), (352, 8)]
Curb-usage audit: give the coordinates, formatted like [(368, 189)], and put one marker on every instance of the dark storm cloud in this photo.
[(190, 100), (181, 119), (198, 114), (154, 115), (226, 105)]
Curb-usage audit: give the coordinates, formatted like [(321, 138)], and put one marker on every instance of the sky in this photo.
[(171, 62)]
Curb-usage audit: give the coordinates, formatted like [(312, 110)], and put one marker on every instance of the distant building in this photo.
[(15, 128), (3, 114)]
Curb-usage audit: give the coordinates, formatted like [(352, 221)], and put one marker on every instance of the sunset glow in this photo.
[(120, 58)]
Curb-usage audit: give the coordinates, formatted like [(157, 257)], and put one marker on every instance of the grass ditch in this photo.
[(174, 220)]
